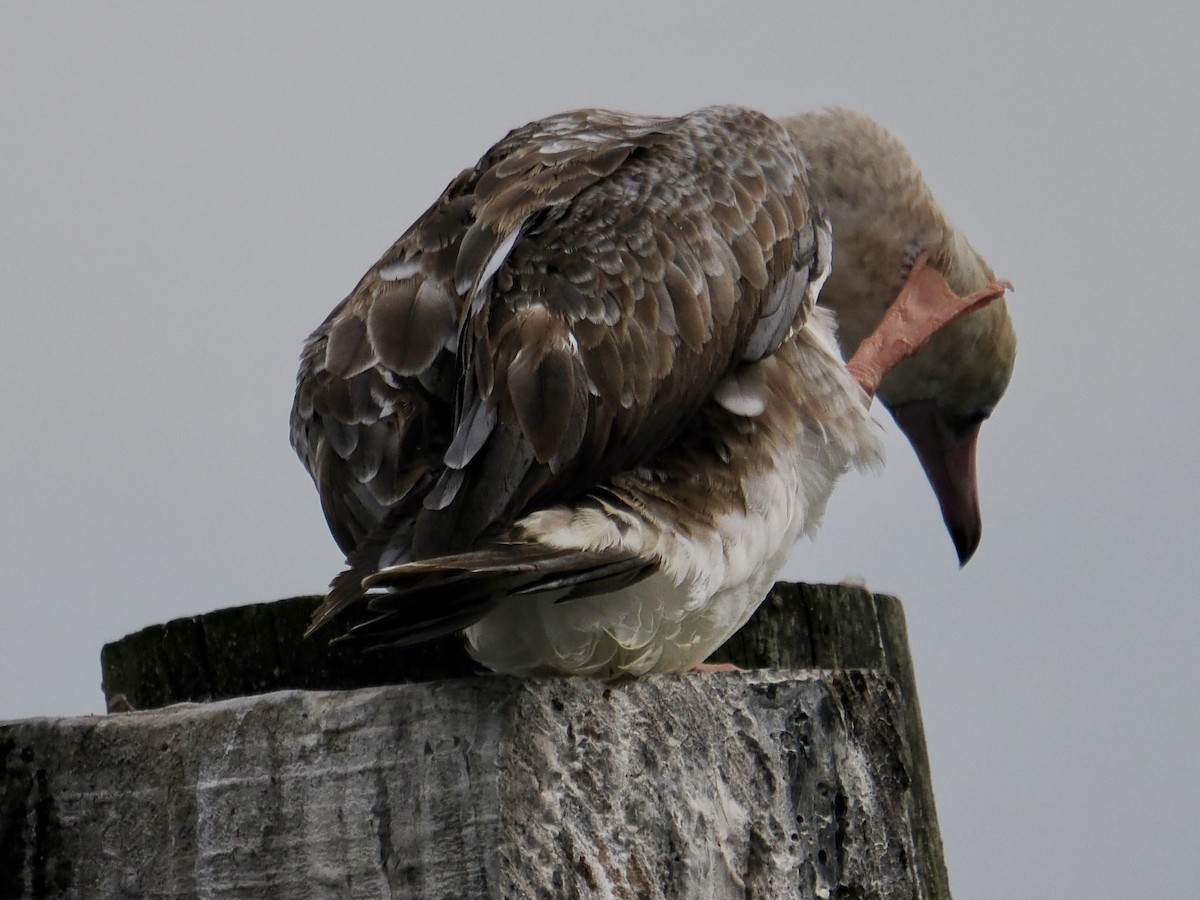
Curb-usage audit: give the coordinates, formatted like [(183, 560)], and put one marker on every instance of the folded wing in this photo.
[(557, 317)]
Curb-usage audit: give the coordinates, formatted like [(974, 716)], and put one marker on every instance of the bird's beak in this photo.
[(948, 457)]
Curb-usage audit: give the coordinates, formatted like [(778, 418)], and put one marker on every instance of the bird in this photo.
[(942, 394), (583, 408)]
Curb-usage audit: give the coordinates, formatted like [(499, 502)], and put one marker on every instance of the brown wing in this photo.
[(632, 264), (556, 317), (375, 392)]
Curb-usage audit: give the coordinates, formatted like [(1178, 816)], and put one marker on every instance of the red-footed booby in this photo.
[(883, 215), (584, 407)]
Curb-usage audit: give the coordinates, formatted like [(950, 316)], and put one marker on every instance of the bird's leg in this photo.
[(925, 304)]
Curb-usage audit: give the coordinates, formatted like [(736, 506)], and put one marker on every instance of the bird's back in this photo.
[(557, 316)]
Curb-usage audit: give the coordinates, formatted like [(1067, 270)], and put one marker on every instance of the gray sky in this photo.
[(187, 190)]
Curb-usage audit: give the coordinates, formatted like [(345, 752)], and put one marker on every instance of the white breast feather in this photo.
[(708, 583)]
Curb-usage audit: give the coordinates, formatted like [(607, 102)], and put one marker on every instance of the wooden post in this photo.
[(787, 782)]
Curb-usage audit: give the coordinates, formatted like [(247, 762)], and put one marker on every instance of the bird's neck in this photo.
[(964, 269)]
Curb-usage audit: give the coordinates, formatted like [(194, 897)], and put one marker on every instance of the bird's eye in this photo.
[(970, 420)]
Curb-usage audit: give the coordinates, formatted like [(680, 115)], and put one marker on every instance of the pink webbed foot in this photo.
[(924, 305), (710, 668)]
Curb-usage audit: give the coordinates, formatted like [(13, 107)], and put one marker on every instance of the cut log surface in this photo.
[(779, 783), (708, 786), (260, 648)]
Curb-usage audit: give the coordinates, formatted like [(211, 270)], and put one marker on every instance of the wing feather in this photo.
[(558, 316)]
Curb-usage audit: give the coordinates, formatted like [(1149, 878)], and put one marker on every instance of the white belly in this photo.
[(718, 515), (705, 590)]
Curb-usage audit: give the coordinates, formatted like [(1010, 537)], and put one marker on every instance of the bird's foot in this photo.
[(710, 668), (925, 304), (119, 703)]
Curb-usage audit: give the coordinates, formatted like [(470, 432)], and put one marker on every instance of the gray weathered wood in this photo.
[(253, 649), (260, 648), (835, 626), (748, 784), (662, 727)]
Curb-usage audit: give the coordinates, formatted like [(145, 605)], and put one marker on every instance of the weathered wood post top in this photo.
[(259, 764)]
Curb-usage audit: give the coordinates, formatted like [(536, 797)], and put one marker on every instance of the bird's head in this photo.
[(883, 215), (941, 396)]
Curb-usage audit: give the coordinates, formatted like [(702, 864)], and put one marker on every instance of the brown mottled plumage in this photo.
[(558, 316), (591, 370)]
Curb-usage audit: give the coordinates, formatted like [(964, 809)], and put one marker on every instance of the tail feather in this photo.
[(603, 579), (382, 632), (431, 597)]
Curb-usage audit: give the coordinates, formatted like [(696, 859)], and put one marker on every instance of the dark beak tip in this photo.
[(966, 542)]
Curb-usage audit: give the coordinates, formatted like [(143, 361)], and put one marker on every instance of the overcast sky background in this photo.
[(187, 190)]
